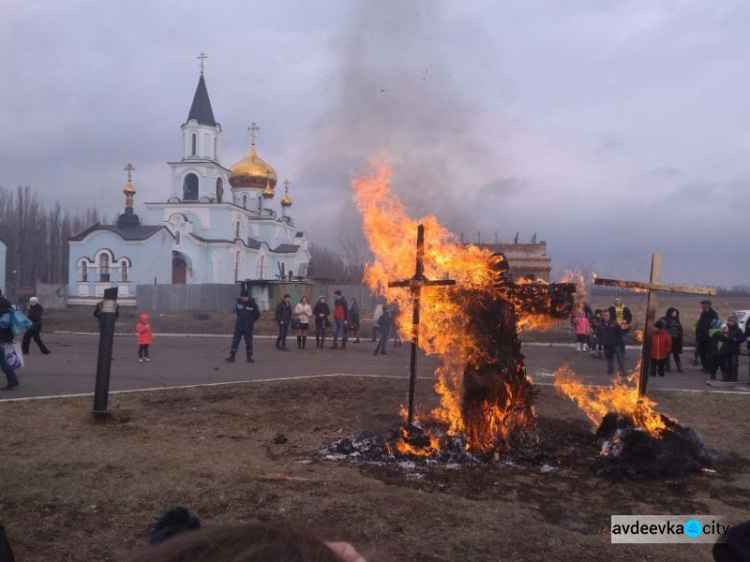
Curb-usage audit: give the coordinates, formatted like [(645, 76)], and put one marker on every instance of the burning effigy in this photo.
[(485, 398), (635, 440)]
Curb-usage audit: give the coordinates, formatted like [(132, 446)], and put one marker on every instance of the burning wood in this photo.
[(485, 396), (635, 440)]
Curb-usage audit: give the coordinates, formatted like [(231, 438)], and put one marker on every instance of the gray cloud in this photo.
[(612, 129)]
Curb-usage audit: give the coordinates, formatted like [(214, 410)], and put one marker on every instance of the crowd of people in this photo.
[(603, 332)]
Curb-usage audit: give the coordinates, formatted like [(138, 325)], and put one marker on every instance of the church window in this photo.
[(260, 204), (124, 272), (237, 266), (190, 188), (216, 148), (195, 142), (84, 272), (177, 238), (244, 201), (219, 190), (104, 268), (206, 145), (237, 230)]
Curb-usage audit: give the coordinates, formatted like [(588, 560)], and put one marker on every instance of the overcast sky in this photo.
[(611, 129)]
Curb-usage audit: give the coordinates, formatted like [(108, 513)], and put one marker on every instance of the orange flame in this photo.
[(391, 235), (621, 397)]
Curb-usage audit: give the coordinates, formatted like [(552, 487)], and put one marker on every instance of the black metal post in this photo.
[(107, 320)]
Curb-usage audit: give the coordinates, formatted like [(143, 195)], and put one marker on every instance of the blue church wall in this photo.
[(145, 261)]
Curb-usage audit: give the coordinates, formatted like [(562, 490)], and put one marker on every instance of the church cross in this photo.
[(286, 186), (652, 287), (253, 128), (202, 57), (129, 169), (415, 285)]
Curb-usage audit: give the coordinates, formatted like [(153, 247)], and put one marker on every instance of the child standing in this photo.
[(597, 350), (145, 337), (582, 330), (661, 346)]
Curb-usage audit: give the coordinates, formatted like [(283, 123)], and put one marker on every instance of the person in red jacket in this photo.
[(661, 346), (145, 337)]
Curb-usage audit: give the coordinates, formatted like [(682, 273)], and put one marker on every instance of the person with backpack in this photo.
[(6, 337)]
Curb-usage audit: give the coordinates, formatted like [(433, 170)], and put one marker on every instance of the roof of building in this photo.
[(135, 232), (201, 109), (286, 249)]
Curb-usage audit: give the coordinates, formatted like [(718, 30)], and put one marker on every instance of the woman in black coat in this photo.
[(674, 328)]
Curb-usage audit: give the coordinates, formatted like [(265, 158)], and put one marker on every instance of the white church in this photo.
[(217, 225)]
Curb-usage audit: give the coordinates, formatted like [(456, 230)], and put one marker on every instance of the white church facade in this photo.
[(217, 225)]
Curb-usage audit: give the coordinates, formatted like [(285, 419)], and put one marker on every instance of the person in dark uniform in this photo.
[(247, 312), (702, 337)]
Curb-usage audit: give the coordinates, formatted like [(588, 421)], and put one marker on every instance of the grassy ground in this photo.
[(76, 490), (223, 322)]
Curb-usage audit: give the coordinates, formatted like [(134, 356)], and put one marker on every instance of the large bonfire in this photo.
[(485, 396)]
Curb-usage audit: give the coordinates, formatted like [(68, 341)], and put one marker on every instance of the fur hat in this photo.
[(732, 318)]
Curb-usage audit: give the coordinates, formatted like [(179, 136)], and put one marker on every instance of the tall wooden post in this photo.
[(415, 285), (652, 287)]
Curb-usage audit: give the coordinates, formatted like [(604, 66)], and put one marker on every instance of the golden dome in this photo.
[(252, 171), (268, 192), (286, 201)]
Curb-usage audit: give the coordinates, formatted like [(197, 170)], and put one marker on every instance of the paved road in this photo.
[(182, 361)]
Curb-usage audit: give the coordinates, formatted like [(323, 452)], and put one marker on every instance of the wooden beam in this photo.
[(648, 329), (654, 286)]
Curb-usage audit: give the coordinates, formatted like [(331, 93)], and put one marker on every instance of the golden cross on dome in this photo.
[(202, 57), (129, 169), (253, 128), (286, 186)]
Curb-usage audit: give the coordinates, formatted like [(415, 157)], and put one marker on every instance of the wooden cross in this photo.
[(415, 285), (652, 287), (129, 169), (202, 57), (253, 128)]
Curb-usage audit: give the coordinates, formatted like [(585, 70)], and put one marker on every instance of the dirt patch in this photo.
[(76, 490)]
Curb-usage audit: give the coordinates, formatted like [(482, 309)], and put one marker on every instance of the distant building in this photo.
[(3, 252), (525, 260), (216, 225)]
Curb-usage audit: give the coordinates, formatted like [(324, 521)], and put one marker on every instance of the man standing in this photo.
[(247, 312), (35, 315), (702, 337), (624, 318), (340, 313), (611, 337), (734, 340), (6, 336), (283, 319)]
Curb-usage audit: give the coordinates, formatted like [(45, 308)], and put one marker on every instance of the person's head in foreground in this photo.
[(255, 542)]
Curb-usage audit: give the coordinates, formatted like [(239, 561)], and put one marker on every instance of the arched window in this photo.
[(216, 148), (124, 272), (219, 190), (260, 203), (190, 188), (84, 272), (195, 142), (104, 268), (237, 266), (237, 230), (244, 201)]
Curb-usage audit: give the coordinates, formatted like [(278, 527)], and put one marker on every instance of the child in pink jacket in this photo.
[(145, 337), (582, 330)]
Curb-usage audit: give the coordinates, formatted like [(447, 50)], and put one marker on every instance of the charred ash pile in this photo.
[(629, 452), (420, 447)]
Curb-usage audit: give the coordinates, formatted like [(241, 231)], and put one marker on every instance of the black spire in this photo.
[(201, 109)]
